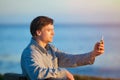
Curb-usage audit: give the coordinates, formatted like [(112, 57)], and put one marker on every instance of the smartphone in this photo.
[(102, 38)]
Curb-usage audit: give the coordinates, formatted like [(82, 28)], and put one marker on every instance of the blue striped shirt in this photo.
[(39, 63)]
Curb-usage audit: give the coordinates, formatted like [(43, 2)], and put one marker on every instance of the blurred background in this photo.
[(79, 24)]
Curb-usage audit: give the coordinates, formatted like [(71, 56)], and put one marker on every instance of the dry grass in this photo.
[(1, 77), (79, 77)]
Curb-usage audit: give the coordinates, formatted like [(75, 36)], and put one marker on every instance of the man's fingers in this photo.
[(101, 45), (99, 48), (100, 51)]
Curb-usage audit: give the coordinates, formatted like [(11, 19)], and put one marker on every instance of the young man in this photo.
[(41, 60)]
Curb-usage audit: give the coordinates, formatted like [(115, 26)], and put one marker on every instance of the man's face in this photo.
[(47, 33)]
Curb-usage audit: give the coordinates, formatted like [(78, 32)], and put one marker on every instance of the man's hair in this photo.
[(38, 23)]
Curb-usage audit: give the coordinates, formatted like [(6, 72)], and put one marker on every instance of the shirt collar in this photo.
[(44, 50)]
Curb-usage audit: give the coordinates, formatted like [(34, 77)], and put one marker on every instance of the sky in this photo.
[(62, 11)]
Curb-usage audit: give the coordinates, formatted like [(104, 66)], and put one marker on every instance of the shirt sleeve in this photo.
[(70, 60), (36, 71)]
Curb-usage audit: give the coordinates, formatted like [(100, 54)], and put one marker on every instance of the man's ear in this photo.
[(38, 32)]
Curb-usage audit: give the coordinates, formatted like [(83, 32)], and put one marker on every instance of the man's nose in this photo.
[(53, 33)]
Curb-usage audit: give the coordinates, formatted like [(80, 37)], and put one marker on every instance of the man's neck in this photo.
[(41, 43)]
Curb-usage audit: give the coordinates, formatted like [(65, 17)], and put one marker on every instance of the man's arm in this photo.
[(69, 60)]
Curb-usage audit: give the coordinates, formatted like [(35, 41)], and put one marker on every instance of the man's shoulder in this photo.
[(28, 49)]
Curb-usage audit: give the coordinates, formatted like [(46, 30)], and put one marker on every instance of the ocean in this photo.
[(71, 38)]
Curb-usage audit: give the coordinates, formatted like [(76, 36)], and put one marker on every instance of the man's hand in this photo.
[(98, 48), (69, 75)]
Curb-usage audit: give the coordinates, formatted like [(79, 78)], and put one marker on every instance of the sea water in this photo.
[(70, 38)]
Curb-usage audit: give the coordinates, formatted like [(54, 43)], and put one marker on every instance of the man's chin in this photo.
[(50, 41)]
